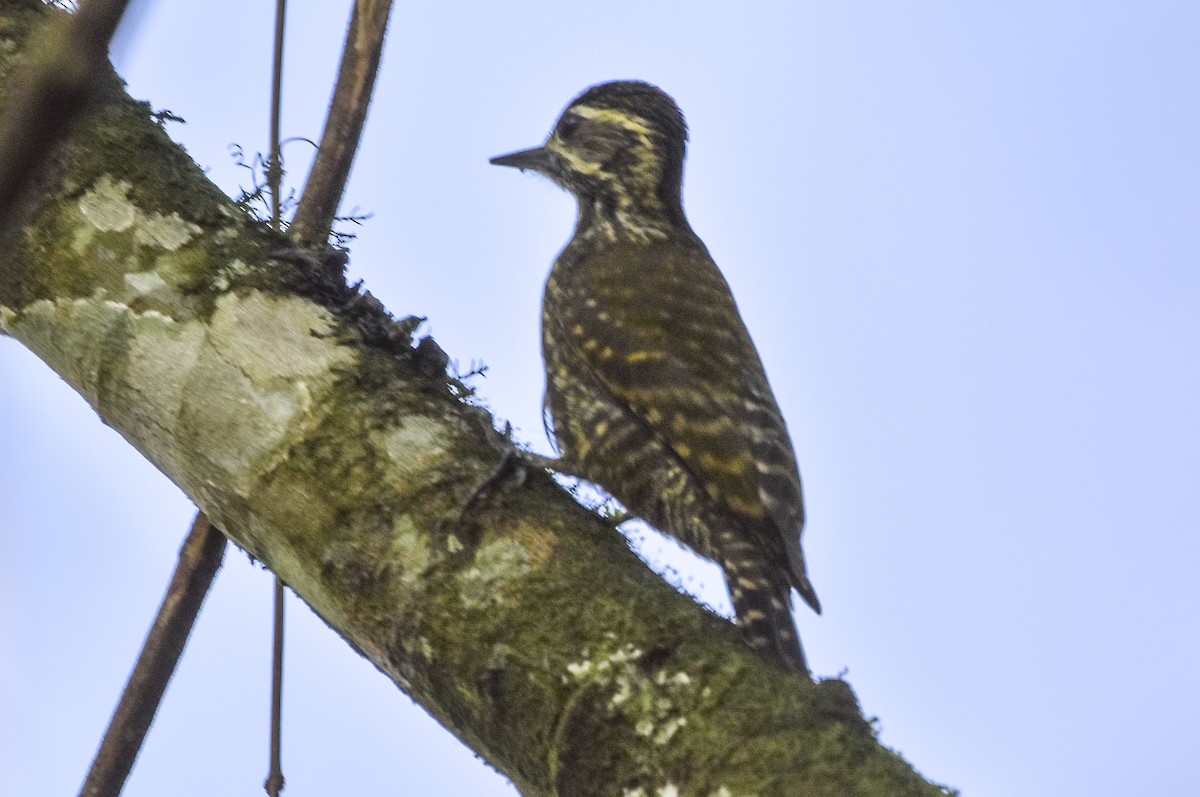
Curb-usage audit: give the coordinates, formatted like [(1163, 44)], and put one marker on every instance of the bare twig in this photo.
[(344, 124), (53, 92), (199, 560), (274, 161), (314, 218), (274, 782)]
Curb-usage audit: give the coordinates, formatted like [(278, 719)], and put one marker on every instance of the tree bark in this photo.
[(302, 420)]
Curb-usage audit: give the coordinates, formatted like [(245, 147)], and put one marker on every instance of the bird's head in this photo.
[(619, 149)]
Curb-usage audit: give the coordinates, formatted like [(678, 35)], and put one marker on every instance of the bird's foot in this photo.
[(512, 472)]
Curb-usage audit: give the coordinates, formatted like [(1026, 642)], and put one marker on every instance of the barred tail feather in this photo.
[(762, 603), (805, 588)]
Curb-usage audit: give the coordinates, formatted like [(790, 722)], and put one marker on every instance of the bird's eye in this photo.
[(569, 126)]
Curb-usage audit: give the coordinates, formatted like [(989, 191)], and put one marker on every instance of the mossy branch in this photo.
[(300, 418)]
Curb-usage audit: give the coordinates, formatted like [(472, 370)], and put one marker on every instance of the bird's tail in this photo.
[(762, 601)]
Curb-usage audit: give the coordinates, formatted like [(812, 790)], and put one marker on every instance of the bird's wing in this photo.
[(659, 327)]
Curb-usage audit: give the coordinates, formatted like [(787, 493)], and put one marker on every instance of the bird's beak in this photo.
[(535, 160)]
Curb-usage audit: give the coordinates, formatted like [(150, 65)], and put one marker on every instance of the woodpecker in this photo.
[(654, 389)]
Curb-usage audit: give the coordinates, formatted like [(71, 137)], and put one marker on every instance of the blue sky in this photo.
[(966, 241)]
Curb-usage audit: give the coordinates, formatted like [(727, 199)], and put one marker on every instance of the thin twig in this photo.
[(275, 780), (344, 124), (199, 559), (314, 217), (275, 161)]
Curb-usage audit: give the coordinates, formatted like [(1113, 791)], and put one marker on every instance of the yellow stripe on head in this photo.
[(625, 121)]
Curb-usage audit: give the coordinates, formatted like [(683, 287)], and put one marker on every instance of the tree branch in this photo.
[(298, 416)]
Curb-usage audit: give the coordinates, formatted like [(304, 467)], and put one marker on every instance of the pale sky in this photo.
[(965, 238)]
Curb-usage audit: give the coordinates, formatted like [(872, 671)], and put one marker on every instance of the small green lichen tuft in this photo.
[(496, 564), (412, 549), (230, 272)]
